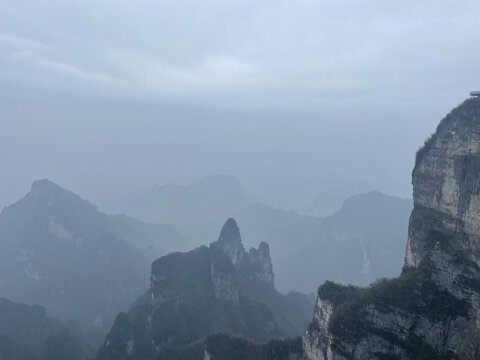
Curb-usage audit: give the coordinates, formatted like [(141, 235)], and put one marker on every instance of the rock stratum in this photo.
[(432, 311), (194, 295)]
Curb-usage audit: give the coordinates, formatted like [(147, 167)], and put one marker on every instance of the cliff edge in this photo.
[(432, 311)]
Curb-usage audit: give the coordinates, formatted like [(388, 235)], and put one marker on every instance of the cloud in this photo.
[(300, 54), (19, 42)]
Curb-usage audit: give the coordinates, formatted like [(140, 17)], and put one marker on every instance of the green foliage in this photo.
[(458, 118), (227, 347), (418, 349), (336, 293), (412, 292)]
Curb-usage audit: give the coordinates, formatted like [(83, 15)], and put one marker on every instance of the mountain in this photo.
[(432, 310), (362, 242), (208, 199), (330, 200), (220, 288), (59, 251), (27, 333)]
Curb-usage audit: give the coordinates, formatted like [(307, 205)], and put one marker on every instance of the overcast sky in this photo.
[(110, 97)]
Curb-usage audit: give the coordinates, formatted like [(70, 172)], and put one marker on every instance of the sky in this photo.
[(108, 98)]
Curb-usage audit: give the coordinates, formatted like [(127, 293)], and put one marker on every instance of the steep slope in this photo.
[(432, 310), (26, 333), (362, 242), (59, 251), (221, 288)]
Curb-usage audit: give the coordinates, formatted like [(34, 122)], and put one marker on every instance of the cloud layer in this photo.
[(301, 54)]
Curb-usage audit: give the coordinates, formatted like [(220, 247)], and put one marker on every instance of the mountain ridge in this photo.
[(360, 243)]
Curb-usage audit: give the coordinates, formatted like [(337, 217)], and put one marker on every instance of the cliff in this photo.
[(432, 311)]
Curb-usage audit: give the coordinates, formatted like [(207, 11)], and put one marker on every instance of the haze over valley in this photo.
[(241, 180)]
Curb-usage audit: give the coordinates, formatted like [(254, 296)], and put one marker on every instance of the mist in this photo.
[(193, 180), (112, 101)]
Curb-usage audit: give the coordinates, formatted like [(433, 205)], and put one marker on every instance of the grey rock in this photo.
[(230, 242)]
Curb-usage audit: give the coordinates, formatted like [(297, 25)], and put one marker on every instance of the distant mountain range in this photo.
[(59, 251), (362, 242), (220, 288), (330, 200)]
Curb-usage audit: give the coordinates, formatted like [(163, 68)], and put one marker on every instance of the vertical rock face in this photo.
[(432, 311), (446, 187), (230, 242), (256, 264), (263, 264)]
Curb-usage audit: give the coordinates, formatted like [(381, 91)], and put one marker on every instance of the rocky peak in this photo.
[(47, 193), (262, 263), (44, 187), (230, 242), (256, 265)]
